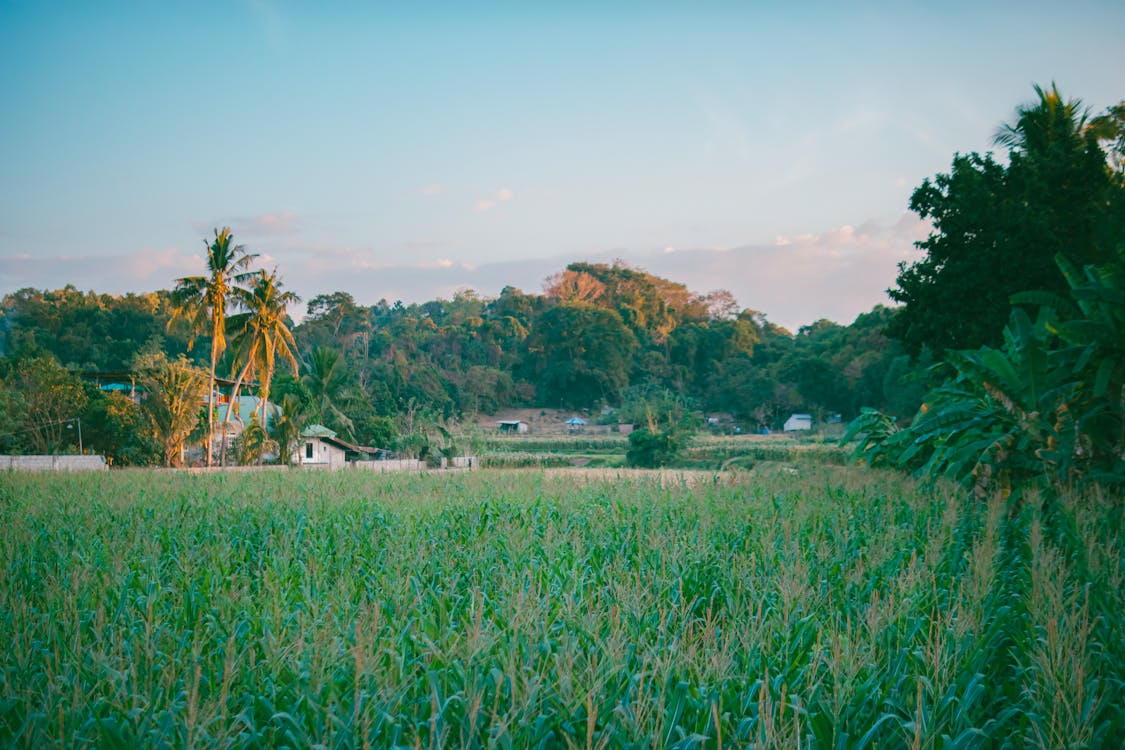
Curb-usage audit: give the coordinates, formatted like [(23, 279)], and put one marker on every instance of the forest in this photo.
[(597, 336)]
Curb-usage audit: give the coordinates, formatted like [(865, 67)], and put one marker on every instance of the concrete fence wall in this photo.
[(53, 463), (97, 463), (382, 467)]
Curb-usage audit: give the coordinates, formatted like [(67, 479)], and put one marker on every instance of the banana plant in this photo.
[(1090, 325), (1047, 408), (1004, 418)]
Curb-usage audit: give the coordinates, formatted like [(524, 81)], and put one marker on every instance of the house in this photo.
[(246, 409), (513, 425), (798, 422), (321, 448)]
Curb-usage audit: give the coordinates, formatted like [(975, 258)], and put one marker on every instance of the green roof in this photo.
[(317, 430)]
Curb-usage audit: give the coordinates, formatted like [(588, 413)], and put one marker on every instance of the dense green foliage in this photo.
[(665, 423), (578, 345), (524, 610), (1047, 408), (85, 330), (371, 373), (997, 227), (1034, 394)]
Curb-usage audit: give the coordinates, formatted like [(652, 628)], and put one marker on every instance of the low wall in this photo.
[(223, 469), (382, 467), (53, 463)]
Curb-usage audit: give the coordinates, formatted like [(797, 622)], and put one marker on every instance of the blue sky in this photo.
[(405, 150)]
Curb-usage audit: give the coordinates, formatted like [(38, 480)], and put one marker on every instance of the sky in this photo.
[(406, 150)]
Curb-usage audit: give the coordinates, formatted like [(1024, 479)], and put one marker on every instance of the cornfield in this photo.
[(835, 608)]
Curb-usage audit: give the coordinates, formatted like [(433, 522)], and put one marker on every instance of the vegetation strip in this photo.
[(837, 607)]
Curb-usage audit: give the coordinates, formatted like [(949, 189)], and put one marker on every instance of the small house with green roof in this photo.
[(320, 447)]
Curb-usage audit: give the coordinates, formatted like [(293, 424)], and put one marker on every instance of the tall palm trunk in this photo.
[(230, 405), (211, 409), (202, 300), (263, 398)]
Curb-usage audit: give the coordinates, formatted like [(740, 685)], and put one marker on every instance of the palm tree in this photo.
[(1050, 121), (287, 427), (327, 382), (263, 334), (202, 301)]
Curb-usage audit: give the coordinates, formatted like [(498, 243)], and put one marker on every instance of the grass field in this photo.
[(831, 608), (702, 452)]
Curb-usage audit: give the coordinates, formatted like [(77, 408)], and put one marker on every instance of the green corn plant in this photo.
[(841, 608)]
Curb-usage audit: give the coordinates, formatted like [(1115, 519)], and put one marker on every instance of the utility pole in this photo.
[(70, 423)]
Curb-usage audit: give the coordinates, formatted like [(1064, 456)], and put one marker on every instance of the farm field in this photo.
[(832, 607), (703, 452)]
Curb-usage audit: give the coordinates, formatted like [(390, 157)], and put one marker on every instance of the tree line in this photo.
[(383, 375)]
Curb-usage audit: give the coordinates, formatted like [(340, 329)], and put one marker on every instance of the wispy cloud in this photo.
[(433, 189), (269, 22), (834, 274), (270, 224), (146, 269), (486, 204)]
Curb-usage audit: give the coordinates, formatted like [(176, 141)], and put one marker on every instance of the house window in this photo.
[(308, 450)]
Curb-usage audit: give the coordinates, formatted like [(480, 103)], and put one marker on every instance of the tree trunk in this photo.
[(230, 405), (263, 397), (211, 407)]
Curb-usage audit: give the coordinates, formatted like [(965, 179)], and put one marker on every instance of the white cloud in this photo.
[(486, 204), (275, 223), (144, 270), (270, 224), (435, 189), (835, 274)]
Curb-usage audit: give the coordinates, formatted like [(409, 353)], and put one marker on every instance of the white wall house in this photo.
[(319, 447), (798, 422)]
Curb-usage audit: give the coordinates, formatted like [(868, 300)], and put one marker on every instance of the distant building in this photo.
[(797, 422), (576, 423), (320, 447), (513, 425)]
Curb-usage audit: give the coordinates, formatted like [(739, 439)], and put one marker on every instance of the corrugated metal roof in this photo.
[(317, 430)]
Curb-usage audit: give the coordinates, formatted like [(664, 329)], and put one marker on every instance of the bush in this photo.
[(648, 449)]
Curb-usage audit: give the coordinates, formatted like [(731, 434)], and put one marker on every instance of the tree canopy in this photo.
[(997, 227)]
